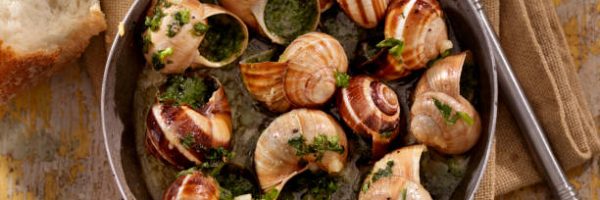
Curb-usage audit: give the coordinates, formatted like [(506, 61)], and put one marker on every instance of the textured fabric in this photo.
[(533, 40)]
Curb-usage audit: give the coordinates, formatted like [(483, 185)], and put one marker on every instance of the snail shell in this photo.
[(256, 15), (366, 13), (303, 76), (191, 49), (194, 185), (442, 83), (420, 25), (404, 176), (276, 161), (208, 126), (371, 108)]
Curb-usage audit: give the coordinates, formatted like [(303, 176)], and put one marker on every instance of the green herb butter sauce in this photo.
[(291, 18), (440, 174), (223, 39)]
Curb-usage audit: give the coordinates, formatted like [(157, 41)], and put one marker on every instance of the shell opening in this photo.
[(289, 19), (225, 39)]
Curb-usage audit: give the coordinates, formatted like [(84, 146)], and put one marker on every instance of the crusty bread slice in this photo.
[(39, 36)]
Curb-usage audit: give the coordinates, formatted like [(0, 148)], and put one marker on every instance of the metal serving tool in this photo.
[(525, 117)]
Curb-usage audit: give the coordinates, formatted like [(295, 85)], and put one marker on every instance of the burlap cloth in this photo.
[(533, 40)]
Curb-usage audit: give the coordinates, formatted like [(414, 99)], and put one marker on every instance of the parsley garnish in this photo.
[(183, 90), (158, 58), (181, 18), (446, 112), (225, 194), (341, 79), (200, 29), (404, 194), (270, 195), (321, 143), (381, 173), (188, 141), (441, 56), (153, 23), (147, 41), (395, 47)]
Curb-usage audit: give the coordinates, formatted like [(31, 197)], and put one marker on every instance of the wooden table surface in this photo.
[(51, 145)]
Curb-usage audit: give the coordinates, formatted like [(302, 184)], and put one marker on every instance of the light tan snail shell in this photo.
[(303, 76), (205, 127), (366, 13), (442, 83), (371, 109), (420, 25), (253, 12), (403, 179), (194, 185), (276, 161), (185, 45)]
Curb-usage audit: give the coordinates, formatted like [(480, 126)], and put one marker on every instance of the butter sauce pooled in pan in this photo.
[(190, 124)]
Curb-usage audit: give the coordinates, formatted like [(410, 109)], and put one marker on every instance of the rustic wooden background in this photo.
[(51, 144)]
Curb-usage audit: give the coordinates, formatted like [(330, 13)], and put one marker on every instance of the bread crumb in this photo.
[(121, 29)]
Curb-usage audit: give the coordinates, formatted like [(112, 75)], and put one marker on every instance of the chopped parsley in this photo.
[(441, 56), (319, 146), (181, 18), (225, 194), (187, 171), (153, 22), (147, 41), (395, 47), (381, 173), (446, 112), (188, 141), (199, 29), (181, 90), (404, 194), (159, 58), (270, 195), (323, 188), (341, 79)]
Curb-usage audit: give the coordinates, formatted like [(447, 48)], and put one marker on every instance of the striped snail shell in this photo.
[(403, 180), (440, 87), (304, 76), (366, 13), (194, 185), (420, 25), (279, 21), (277, 160), (371, 109), (183, 35), (181, 135)]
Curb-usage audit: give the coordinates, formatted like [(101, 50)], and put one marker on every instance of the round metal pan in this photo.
[(126, 61)]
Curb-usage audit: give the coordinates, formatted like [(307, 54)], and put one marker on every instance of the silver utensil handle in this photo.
[(525, 117)]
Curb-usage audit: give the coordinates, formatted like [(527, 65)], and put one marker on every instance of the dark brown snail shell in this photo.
[(195, 185)]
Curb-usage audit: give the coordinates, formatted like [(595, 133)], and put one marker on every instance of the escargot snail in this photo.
[(189, 33), (415, 33), (371, 108), (194, 185), (396, 176), (304, 76), (440, 116), (366, 13), (296, 141), (279, 20), (190, 118)]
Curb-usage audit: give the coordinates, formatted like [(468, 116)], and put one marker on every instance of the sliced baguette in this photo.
[(37, 37)]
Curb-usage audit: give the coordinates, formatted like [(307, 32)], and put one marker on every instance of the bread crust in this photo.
[(19, 71)]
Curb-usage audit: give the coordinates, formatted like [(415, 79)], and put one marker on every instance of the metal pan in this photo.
[(125, 62)]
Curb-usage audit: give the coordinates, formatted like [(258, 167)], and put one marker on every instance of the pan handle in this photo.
[(525, 117)]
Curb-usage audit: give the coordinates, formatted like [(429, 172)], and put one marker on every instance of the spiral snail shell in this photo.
[(396, 176), (189, 33), (366, 13), (371, 108), (279, 20), (194, 185), (420, 28), (282, 150), (181, 134), (303, 76), (440, 116)]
